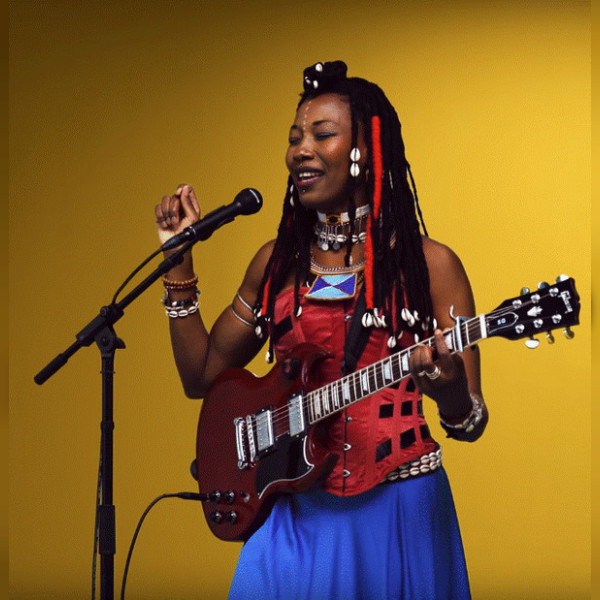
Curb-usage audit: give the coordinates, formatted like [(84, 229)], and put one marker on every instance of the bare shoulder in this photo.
[(448, 280), (255, 272), (442, 261), (258, 264)]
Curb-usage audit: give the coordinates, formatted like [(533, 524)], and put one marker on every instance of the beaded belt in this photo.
[(420, 466)]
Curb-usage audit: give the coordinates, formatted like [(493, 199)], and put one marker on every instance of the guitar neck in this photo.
[(338, 395)]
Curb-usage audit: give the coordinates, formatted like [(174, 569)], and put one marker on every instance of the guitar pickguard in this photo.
[(287, 463)]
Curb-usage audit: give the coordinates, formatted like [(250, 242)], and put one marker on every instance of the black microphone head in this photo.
[(249, 201)]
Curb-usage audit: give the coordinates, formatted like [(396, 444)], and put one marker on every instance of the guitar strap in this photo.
[(356, 340), (357, 337)]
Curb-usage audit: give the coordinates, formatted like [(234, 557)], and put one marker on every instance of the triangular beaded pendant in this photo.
[(333, 287)]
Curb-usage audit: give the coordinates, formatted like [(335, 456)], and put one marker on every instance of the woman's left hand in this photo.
[(443, 379)]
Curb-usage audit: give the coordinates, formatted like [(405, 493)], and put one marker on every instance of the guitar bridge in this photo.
[(243, 443)]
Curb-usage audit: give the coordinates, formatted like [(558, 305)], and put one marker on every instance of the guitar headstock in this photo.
[(549, 307)]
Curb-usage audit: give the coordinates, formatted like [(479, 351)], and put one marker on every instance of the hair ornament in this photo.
[(324, 75), (378, 319), (367, 319), (354, 157), (391, 343)]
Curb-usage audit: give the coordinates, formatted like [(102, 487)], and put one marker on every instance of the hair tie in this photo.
[(322, 76), (377, 164)]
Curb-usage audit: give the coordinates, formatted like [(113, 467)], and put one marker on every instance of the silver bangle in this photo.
[(251, 325), (471, 420), (244, 302)]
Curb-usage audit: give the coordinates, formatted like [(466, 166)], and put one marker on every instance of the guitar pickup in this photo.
[(296, 415), (264, 430)]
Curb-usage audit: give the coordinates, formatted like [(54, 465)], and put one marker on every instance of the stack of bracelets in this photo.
[(185, 307), (457, 430)]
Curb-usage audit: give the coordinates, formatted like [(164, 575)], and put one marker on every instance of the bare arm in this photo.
[(460, 378), (199, 355)]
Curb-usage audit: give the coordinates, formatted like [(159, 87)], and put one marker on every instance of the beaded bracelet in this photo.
[(471, 420), (180, 308), (180, 285)]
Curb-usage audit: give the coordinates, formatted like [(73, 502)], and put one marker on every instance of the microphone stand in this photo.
[(101, 331)]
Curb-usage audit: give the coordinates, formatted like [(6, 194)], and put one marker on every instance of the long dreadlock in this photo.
[(395, 262)]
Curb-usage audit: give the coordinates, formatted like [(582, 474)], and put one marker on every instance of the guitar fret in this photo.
[(325, 397), (365, 382), (346, 390), (335, 396), (377, 376), (404, 368), (355, 386), (387, 370)]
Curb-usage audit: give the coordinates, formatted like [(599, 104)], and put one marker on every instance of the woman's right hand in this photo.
[(176, 212)]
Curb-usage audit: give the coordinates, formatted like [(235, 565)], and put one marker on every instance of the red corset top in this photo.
[(375, 435)]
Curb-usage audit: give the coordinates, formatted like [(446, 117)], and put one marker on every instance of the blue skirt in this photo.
[(397, 541)]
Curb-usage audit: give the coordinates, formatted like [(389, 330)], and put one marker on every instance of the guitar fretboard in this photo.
[(336, 396)]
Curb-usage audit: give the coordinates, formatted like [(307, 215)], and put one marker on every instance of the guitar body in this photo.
[(260, 437), (242, 495)]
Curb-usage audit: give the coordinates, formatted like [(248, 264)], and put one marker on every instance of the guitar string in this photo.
[(280, 416)]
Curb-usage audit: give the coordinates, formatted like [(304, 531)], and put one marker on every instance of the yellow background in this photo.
[(112, 104)]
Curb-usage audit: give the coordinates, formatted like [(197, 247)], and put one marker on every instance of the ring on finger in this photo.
[(435, 373)]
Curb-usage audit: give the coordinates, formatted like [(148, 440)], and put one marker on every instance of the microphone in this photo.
[(247, 202)]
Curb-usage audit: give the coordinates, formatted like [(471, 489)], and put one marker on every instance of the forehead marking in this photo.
[(305, 114)]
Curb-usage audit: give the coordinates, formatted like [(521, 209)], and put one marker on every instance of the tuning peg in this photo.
[(568, 333), (561, 278), (550, 337), (524, 290), (532, 343), (542, 285)]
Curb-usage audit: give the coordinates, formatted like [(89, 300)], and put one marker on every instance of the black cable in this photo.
[(183, 496), (96, 525), (134, 272)]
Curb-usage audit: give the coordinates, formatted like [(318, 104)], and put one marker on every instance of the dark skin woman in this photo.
[(332, 170)]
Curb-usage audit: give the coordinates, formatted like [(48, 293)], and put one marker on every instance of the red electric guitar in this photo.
[(259, 437)]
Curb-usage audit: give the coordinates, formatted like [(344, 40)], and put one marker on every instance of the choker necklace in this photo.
[(343, 218), (332, 230)]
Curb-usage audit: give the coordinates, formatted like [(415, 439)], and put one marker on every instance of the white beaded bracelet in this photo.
[(180, 308)]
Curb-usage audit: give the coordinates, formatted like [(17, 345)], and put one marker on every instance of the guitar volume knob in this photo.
[(216, 517), (231, 517), (229, 497)]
